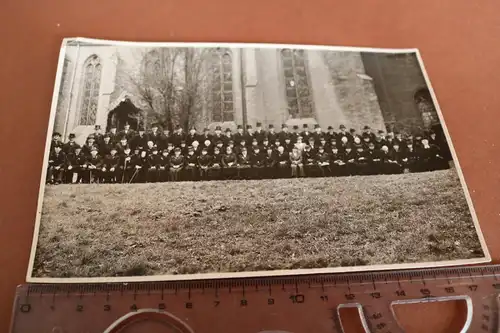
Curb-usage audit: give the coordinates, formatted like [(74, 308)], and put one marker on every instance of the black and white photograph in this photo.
[(175, 161)]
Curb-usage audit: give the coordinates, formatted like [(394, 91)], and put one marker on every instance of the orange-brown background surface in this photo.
[(458, 39)]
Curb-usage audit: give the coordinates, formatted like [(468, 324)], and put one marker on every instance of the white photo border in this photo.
[(247, 274)]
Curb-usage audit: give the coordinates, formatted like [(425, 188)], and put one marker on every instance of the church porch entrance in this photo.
[(125, 112)]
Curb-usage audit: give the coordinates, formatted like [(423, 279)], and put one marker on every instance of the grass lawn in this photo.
[(231, 226)]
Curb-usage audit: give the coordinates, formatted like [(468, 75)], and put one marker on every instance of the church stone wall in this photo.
[(397, 77), (355, 90)]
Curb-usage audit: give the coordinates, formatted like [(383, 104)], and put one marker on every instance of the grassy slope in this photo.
[(178, 228)]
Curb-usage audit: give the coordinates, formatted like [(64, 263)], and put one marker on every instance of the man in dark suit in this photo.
[(139, 140), (178, 136), (217, 136), (57, 162), (109, 167), (191, 165), (271, 134), (270, 162), (127, 132), (306, 134), (192, 136), (258, 162), (259, 133), (204, 163), (244, 164), (69, 146)]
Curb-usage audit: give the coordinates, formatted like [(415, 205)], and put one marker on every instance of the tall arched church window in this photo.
[(90, 90), (425, 105), (298, 93), (222, 86)]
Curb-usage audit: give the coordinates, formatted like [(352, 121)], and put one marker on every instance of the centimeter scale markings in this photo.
[(282, 304)]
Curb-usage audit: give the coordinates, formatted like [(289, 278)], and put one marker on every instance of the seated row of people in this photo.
[(151, 164)]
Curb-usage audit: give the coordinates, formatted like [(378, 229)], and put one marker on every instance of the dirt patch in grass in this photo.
[(233, 226)]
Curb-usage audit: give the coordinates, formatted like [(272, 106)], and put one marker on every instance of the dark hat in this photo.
[(358, 146), (139, 148), (58, 145), (177, 149), (56, 134), (352, 130), (366, 127), (218, 128), (99, 126), (311, 138), (192, 128), (305, 126), (91, 136), (307, 147), (230, 142), (170, 144), (206, 130), (349, 146), (330, 127), (277, 140), (342, 126), (258, 125), (154, 125), (265, 138), (127, 147), (254, 140), (395, 143), (249, 126), (165, 150), (204, 149), (270, 148), (77, 146), (219, 142), (113, 148), (154, 148), (183, 142), (126, 124), (256, 147), (94, 148), (228, 130), (322, 138), (112, 126), (105, 136), (271, 126), (409, 142), (380, 132), (371, 144), (190, 148), (316, 126), (239, 127), (321, 147), (288, 137), (284, 125), (123, 137), (72, 136), (141, 129), (295, 127)]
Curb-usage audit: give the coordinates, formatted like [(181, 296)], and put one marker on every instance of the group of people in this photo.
[(159, 155)]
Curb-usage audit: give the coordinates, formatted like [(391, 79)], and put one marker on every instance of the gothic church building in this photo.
[(267, 85)]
